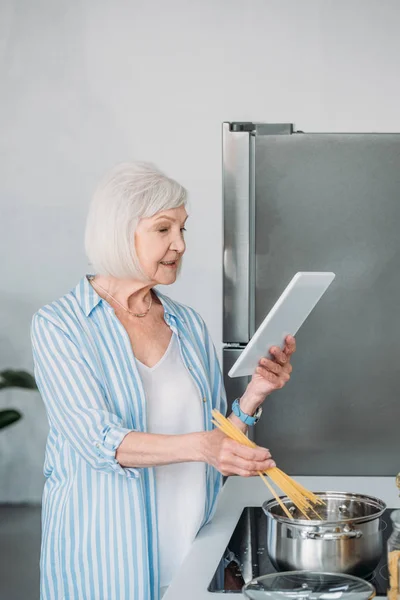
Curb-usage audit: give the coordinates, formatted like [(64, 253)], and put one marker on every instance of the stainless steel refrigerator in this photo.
[(297, 201)]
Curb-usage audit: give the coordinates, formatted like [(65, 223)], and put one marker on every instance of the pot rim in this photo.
[(377, 502)]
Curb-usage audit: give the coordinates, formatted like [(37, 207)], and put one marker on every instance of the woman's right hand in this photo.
[(231, 458)]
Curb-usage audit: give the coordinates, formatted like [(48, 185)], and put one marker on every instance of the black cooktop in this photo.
[(246, 555)]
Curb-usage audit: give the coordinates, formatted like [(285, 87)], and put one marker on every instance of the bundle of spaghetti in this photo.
[(303, 499)]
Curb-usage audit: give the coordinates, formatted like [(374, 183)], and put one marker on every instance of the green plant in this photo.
[(14, 379)]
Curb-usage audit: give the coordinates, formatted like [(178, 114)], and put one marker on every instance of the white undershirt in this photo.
[(174, 406)]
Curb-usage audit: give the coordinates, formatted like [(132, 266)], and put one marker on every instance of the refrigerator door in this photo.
[(331, 202)]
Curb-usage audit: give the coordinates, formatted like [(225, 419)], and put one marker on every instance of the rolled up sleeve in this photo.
[(75, 400)]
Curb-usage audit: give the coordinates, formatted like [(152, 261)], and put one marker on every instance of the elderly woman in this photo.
[(129, 378)]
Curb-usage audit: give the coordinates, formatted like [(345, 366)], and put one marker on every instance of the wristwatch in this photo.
[(248, 419)]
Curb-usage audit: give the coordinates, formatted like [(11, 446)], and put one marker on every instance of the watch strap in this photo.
[(247, 419)]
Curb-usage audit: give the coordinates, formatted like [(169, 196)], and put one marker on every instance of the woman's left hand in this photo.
[(271, 374)]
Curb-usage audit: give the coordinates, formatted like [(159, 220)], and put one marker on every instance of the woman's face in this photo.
[(160, 244)]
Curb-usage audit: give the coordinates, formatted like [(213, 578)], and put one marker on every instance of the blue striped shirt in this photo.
[(99, 521)]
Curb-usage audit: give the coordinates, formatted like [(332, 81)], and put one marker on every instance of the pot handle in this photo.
[(332, 535)]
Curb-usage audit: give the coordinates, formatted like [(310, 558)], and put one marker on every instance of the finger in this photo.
[(290, 345), (278, 381), (270, 365), (287, 368), (245, 473), (268, 375), (254, 454), (237, 463), (248, 470), (278, 354)]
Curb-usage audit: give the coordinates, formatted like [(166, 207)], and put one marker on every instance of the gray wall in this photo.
[(87, 84)]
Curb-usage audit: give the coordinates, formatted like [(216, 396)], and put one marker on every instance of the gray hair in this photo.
[(129, 192)]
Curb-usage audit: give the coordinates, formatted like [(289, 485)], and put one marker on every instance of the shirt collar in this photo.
[(88, 299)]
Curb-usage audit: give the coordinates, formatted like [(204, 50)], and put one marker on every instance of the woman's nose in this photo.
[(179, 245)]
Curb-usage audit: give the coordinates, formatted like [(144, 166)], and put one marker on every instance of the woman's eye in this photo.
[(166, 229)]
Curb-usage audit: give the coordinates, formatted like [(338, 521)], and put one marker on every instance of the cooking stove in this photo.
[(246, 557)]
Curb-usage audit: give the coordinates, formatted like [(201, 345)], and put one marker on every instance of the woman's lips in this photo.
[(170, 265)]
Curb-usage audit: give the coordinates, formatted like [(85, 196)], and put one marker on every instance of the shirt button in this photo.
[(190, 367), (204, 399)]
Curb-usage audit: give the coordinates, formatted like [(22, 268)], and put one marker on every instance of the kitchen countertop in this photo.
[(200, 564)]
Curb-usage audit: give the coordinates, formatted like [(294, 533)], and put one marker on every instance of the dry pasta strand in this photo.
[(271, 489), (304, 491)]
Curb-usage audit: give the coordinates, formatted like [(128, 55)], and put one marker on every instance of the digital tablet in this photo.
[(286, 317)]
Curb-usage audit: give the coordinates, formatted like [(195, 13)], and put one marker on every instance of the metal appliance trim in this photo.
[(252, 237), (236, 192)]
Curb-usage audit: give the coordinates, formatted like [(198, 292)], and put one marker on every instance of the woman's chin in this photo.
[(166, 279)]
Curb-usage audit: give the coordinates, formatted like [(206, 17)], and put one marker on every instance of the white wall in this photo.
[(85, 84)]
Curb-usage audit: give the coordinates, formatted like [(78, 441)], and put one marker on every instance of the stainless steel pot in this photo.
[(348, 539)]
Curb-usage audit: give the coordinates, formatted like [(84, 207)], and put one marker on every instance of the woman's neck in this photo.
[(132, 294)]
